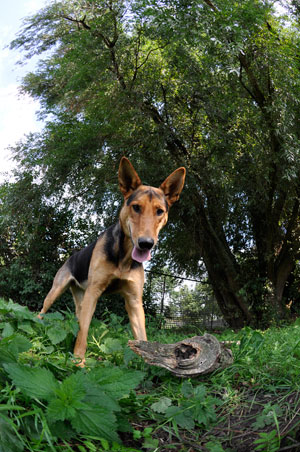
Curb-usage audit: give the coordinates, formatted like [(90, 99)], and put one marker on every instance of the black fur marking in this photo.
[(138, 193), (114, 243), (150, 194), (135, 265), (112, 287), (114, 246), (131, 198), (166, 204), (79, 262)]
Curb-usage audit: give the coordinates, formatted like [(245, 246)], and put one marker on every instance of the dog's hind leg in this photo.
[(60, 284), (78, 295)]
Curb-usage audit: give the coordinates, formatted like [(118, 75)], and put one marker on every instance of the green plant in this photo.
[(61, 405), (48, 404), (268, 442), (194, 407), (268, 416), (149, 442)]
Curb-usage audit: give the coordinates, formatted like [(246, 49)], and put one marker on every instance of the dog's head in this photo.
[(145, 209)]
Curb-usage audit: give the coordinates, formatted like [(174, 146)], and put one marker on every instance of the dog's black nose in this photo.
[(145, 243)]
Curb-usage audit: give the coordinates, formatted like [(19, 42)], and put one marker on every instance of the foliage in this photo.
[(47, 403), (194, 408), (34, 235), (268, 442), (196, 305), (210, 85), (80, 403)]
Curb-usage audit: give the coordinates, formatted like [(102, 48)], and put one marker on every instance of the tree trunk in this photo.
[(281, 274), (223, 271)]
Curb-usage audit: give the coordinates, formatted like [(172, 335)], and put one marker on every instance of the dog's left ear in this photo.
[(128, 178), (173, 185)]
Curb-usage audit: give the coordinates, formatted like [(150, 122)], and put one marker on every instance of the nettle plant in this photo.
[(41, 400)]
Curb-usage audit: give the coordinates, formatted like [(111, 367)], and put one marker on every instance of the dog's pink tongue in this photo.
[(140, 255)]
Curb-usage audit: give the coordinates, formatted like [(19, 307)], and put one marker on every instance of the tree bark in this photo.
[(188, 358), (223, 271)]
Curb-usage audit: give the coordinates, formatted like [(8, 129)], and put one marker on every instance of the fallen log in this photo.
[(190, 357)]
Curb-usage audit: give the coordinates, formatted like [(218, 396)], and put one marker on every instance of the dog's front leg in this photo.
[(136, 316), (88, 307), (133, 294)]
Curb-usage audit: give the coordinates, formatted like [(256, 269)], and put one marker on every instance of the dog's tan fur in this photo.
[(107, 265)]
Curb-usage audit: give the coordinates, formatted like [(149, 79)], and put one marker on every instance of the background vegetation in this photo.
[(210, 85)]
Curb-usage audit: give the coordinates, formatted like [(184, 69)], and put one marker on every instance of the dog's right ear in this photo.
[(128, 178)]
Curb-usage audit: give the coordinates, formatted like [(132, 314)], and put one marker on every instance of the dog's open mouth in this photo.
[(140, 255)]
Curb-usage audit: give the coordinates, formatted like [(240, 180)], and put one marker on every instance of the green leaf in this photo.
[(73, 326), (200, 393), (60, 411), (267, 441), (117, 382), (183, 417), (19, 312), (62, 430), (11, 346), (151, 443), (187, 389), (19, 344), (161, 405), (205, 412), (6, 356), (123, 423), (96, 421), (4, 309), (129, 355), (95, 395), (68, 397), (36, 382), (9, 442), (26, 327), (8, 330), (268, 416), (111, 346), (214, 446), (53, 316), (57, 334)]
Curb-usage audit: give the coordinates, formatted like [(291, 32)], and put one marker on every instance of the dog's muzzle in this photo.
[(145, 243), (141, 252)]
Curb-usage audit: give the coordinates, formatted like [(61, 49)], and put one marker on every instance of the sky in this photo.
[(17, 112)]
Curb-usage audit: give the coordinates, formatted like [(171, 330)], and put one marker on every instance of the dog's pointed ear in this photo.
[(128, 178), (173, 185)]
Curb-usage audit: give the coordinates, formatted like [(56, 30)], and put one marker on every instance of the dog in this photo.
[(114, 262)]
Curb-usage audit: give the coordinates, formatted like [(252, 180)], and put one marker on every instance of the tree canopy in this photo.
[(213, 86)]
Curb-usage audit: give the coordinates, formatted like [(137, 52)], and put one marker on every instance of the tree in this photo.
[(211, 85), (35, 238), (195, 306)]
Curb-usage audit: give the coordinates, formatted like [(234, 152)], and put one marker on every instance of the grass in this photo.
[(119, 403)]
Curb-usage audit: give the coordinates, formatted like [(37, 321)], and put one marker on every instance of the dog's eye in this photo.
[(160, 211), (136, 208)]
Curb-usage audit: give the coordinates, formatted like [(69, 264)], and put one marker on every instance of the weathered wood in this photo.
[(190, 357)]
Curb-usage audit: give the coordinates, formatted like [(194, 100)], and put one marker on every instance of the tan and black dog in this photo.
[(113, 263)]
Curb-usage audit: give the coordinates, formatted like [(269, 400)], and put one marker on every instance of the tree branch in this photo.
[(256, 92), (188, 358), (77, 21), (211, 5)]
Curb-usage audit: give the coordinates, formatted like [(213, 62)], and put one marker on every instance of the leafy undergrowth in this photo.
[(119, 403)]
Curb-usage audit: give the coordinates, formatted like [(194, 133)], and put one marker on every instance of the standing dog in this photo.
[(113, 263)]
